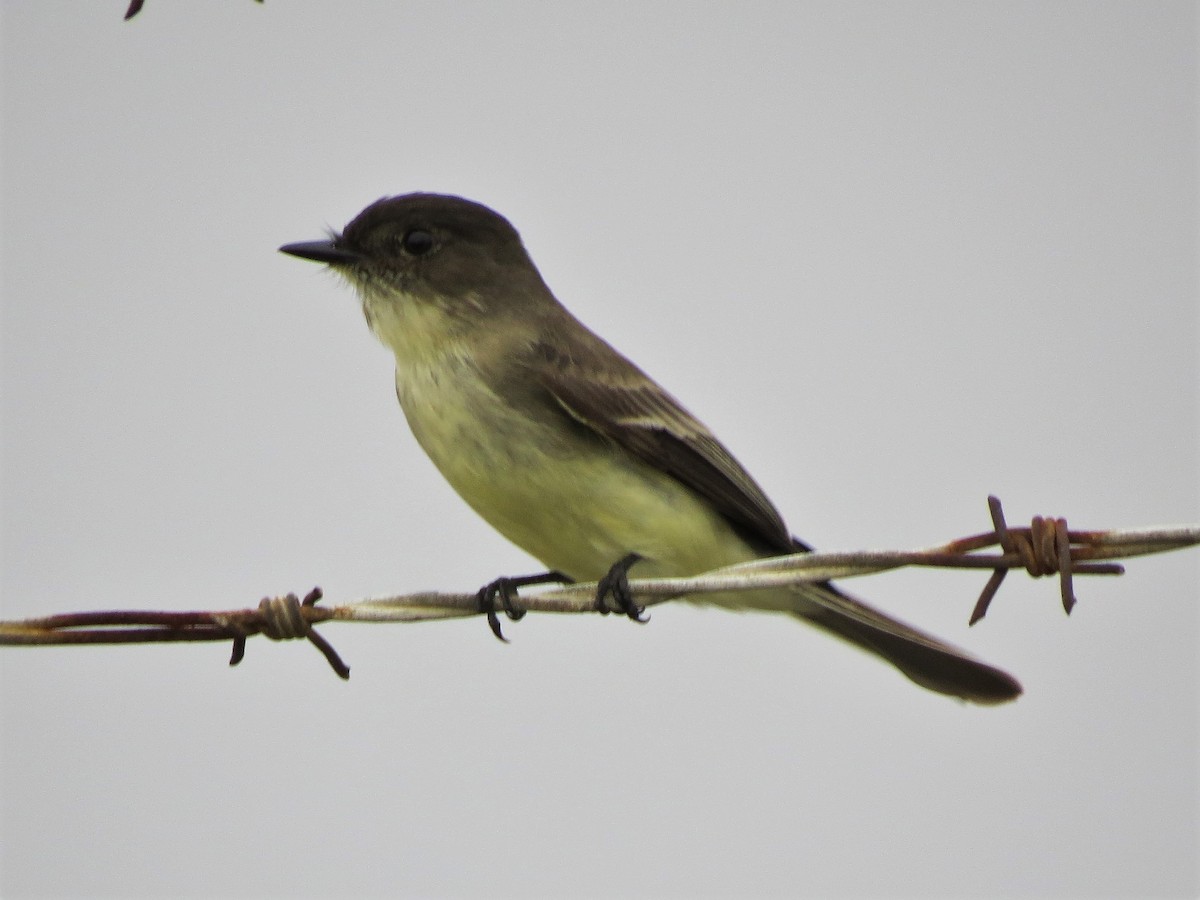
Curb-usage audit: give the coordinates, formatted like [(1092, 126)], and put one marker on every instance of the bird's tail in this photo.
[(929, 662)]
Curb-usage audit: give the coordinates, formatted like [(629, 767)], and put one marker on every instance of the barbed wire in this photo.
[(1046, 547)]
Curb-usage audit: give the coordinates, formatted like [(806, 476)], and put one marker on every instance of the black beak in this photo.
[(321, 251)]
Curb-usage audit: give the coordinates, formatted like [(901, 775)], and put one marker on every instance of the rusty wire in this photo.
[(1046, 547)]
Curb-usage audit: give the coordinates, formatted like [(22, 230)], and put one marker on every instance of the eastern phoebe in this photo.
[(567, 448)]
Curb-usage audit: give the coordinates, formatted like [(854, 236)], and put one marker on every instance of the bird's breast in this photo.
[(573, 500)]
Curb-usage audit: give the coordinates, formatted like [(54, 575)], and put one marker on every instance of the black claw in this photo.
[(616, 584), (506, 590), (502, 588)]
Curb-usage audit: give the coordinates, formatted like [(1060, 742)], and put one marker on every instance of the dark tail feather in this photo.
[(924, 659)]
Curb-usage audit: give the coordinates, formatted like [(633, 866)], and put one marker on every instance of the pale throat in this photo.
[(417, 330), (448, 405)]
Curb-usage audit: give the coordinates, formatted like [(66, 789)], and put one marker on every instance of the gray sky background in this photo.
[(898, 256)]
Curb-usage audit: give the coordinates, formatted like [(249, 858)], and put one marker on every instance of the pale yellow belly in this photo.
[(576, 505)]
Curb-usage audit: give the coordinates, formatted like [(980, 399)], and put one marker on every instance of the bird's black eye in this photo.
[(417, 242)]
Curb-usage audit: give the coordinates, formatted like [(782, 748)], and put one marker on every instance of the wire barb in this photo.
[(1043, 549), (1047, 547), (283, 619)]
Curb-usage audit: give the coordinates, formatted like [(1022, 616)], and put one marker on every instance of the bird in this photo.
[(567, 448)]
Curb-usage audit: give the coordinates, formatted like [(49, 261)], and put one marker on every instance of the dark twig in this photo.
[(135, 7)]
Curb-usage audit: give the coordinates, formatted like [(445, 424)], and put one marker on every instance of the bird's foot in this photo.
[(505, 590), (615, 584)]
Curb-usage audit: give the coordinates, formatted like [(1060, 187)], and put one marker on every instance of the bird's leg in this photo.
[(616, 584), (506, 590)]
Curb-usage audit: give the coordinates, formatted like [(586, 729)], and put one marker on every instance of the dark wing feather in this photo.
[(619, 402), (616, 400)]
